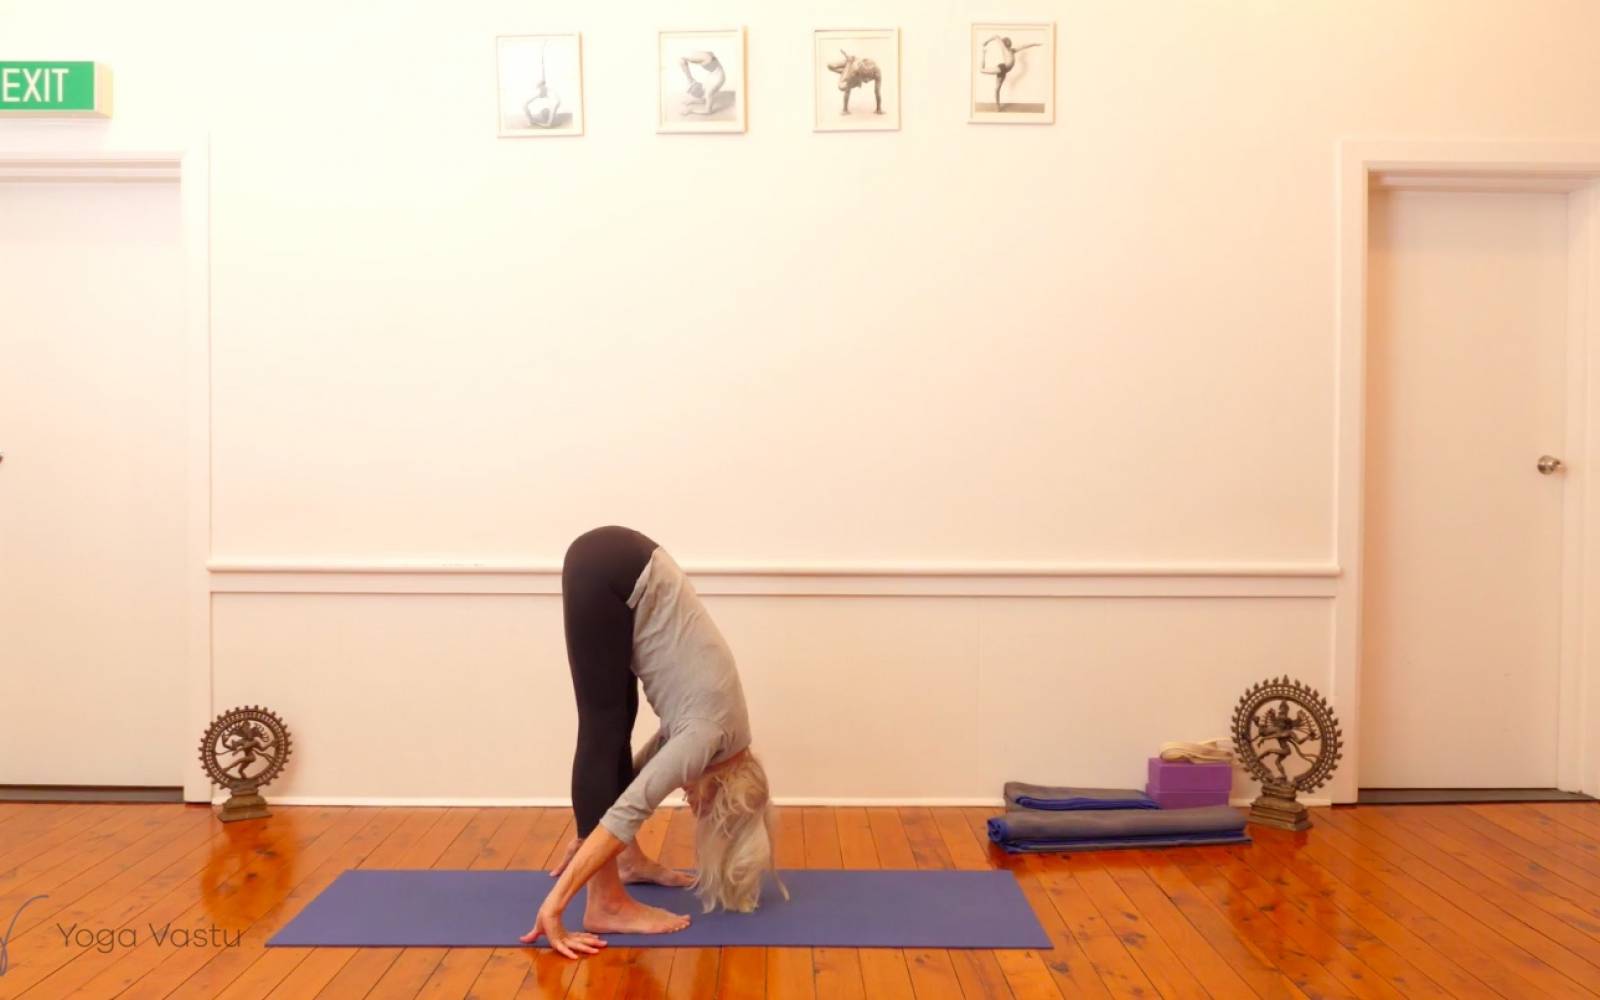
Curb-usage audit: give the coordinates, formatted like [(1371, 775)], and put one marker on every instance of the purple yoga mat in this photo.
[(383, 908)]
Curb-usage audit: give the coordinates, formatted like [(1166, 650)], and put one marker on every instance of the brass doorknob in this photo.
[(1549, 464)]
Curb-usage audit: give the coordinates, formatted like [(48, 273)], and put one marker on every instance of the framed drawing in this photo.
[(857, 80), (700, 80), (1013, 77), (541, 84)]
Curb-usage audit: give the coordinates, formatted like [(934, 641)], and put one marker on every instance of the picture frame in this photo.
[(1012, 77), (700, 80), (539, 85), (856, 79)]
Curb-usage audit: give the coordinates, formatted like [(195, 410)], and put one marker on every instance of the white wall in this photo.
[(1100, 346)]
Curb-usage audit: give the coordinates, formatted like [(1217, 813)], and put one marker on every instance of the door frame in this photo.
[(1569, 168), (67, 153)]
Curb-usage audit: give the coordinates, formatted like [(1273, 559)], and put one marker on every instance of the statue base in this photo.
[(245, 803), (1279, 809)]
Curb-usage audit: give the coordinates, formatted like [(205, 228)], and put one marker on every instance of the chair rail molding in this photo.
[(848, 579)]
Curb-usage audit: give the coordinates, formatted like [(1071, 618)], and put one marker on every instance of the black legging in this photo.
[(597, 578)]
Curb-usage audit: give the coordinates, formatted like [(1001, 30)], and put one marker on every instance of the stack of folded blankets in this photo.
[(1042, 818)]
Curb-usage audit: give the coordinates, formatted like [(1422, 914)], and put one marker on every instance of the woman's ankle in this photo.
[(609, 900)]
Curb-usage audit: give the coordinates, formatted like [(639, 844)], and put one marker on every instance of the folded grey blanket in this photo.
[(1122, 843), (1064, 798), (1028, 825)]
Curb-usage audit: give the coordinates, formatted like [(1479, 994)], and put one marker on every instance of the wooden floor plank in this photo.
[(1211, 922), (1258, 927), (1107, 953), (1375, 953), (694, 970), (1552, 915), (69, 848), (1512, 914), (1519, 849), (790, 972), (1288, 914), (507, 838), (103, 878), (1512, 869), (245, 866), (1070, 969), (933, 972), (37, 832), (1475, 902), (109, 896), (503, 974), (836, 971), (645, 971), (855, 839), (1501, 937), (1022, 971), (884, 973), (252, 970), (1580, 817), (473, 838), (551, 974), (1170, 974), (1429, 946), (695, 973), (1431, 919), (1148, 904), (198, 975), (1583, 856)]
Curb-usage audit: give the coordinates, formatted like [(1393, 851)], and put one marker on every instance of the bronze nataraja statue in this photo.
[(1287, 738), (244, 749)]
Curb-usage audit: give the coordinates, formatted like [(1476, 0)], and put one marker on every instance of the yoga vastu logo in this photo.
[(5, 942), (105, 940)]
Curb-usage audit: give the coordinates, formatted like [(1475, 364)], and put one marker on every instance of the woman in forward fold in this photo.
[(632, 617)]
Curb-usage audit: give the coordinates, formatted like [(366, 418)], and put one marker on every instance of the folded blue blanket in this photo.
[(1028, 829), (1064, 798)]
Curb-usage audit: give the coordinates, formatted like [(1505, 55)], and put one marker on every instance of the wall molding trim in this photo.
[(67, 167), (953, 579)]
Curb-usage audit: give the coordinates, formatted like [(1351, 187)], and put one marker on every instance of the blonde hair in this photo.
[(734, 836)]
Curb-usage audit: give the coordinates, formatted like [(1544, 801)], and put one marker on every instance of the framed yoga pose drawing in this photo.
[(857, 80), (1013, 73), (700, 76), (541, 84)]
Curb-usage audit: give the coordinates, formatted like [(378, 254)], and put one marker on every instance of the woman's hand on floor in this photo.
[(572, 944)]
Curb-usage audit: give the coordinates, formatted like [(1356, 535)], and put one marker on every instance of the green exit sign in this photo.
[(55, 89)]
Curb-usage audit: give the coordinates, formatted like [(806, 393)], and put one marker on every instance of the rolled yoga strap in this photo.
[(1205, 751)]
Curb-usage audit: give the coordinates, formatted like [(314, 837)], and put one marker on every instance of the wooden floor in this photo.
[(1400, 901)]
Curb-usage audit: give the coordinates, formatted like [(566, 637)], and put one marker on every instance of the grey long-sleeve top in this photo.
[(690, 680)]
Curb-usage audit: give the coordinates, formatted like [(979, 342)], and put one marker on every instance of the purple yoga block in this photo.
[(1182, 776), (1187, 800)]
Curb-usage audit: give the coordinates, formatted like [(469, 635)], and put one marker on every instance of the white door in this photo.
[(1462, 595), (92, 499)]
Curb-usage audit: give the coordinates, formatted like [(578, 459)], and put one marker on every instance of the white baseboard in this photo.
[(549, 802), (546, 802)]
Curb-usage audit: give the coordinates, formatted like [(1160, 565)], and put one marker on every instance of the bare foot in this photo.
[(646, 870), (629, 916)]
